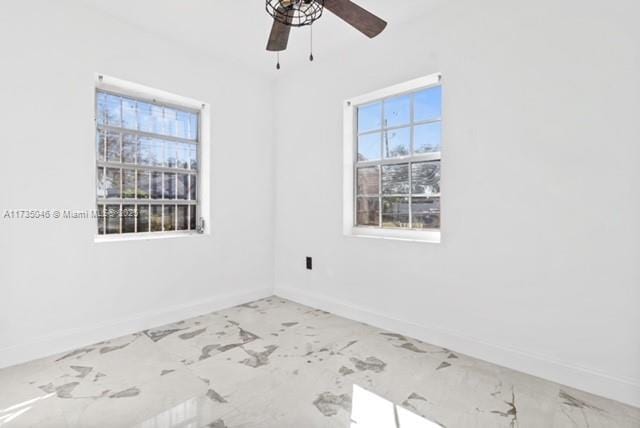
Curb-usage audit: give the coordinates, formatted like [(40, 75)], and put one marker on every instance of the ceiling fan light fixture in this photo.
[(295, 13)]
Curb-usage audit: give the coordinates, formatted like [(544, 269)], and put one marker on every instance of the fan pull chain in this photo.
[(311, 43), (278, 64)]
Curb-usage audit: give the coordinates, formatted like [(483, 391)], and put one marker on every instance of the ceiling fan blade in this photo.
[(279, 37), (361, 19)]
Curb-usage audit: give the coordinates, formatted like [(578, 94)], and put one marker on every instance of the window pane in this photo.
[(170, 154), (183, 155), (397, 111), (397, 143), (100, 219), (193, 194), (113, 147), (182, 124), (427, 138), (100, 188), (369, 147), (193, 217), (425, 178), (128, 148), (145, 151), (145, 121), (368, 212), (156, 185), (157, 152), (395, 212), (143, 184), (112, 215), (100, 145), (169, 185), (183, 217), (370, 118), (425, 213), (368, 181), (428, 104), (114, 116), (129, 119), (128, 183), (170, 122), (395, 179), (101, 108), (183, 186), (156, 218), (193, 156), (157, 118), (143, 218), (128, 218), (112, 183), (169, 217), (193, 127)]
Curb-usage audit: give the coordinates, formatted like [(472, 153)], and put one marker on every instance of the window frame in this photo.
[(108, 84), (350, 156)]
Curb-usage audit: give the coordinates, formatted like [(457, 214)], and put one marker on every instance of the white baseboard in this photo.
[(623, 390), (63, 341)]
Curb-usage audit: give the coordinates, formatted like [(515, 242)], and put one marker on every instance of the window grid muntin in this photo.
[(400, 160), (105, 202), (152, 101)]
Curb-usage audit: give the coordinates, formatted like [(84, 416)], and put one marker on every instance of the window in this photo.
[(148, 167), (393, 141)]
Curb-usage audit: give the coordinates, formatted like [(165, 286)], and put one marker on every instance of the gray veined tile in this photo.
[(274, 363), (75, 356), (40, 409), (290, 399), (247, 365), (577, 408), (272, 317), (210, 336), (142, 360), (242, 419), (140, 402), (329, 404), (197, 412)]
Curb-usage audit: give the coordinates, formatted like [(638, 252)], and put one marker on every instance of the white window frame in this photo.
[(350, 146), (135, 90)]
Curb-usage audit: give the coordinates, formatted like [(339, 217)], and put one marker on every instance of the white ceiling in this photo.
[(239, 28)]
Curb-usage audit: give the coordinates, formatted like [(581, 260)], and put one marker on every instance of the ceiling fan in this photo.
[(299, 13)]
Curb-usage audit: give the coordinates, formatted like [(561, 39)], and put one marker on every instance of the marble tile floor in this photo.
[(275, 363)]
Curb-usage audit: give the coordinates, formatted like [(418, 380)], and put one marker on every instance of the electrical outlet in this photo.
[(309, 263)]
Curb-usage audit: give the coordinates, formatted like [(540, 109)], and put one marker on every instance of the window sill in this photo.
[(99, 239), (423, 236)]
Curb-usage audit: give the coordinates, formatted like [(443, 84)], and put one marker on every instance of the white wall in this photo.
[(539, 268), (58, 289)]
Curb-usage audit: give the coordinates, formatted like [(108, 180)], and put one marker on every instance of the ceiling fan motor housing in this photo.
[(295, 13)]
